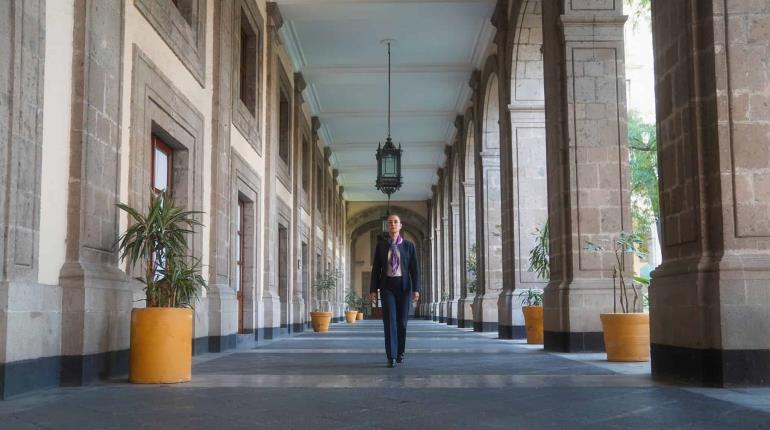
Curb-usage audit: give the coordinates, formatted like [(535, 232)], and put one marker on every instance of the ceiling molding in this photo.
[(365, 2), (393, 114), (421, 166), (326, 134), (352, 146), (288, 34), (484, 39), (319, 71), (312, 97)]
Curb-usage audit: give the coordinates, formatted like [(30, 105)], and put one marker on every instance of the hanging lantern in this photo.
[(388, 167), (388, 156)]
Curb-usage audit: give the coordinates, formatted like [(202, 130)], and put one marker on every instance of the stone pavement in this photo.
[(451, 379)]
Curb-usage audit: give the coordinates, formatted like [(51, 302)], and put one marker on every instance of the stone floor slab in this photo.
[(452, 379)]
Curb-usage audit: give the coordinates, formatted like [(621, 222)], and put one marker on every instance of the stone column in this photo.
[(709, 301), (530, 210), (457, 263), (465, 312), (587, 165), (489, 247), (24, 365), (271, 300), (440, 275), (436, 281), (297, 301), (97, 300), (524, 162), (446, 287), (222, 300), (426, 278)]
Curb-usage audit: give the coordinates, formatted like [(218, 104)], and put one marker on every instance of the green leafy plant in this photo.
[(470, 270), (157, 241), (625, 244), (531, 297), (539, 254), (324, 284), (352, 300), (644, 283)]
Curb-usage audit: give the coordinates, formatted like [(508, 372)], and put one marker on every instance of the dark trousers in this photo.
[(395, 314)]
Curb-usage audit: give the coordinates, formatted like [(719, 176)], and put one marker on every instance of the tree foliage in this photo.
[(470, 270), (643, 154)]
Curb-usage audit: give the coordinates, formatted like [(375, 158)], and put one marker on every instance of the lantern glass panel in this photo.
[(389, 166)]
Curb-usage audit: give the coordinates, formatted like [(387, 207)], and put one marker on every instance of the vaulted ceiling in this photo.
[(336, 45)]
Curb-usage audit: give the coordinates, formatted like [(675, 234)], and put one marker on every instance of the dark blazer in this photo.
[(410, 274)]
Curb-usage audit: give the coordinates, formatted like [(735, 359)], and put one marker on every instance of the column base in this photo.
[(711, 367), (222, 343), (573, 341), (485, 317), (482, 326), (511, 332), (96, 322), (223, 318)]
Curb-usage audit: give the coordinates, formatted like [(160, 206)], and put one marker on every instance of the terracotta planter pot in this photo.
[(161, 345), (350, 316), (359, 316), (627, 336), (320, 321), (533, 320)]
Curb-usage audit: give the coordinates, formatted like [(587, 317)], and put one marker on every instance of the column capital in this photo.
[(596, 28)]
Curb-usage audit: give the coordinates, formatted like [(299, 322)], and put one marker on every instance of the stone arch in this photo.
[(361, 224), (528, 174), (488, 212)]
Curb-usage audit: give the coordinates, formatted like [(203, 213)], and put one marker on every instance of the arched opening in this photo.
[(365, 229), (454, 228), (468, 221), (528, 152), (488, 212)]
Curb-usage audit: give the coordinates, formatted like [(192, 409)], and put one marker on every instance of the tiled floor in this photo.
[(452, 378)]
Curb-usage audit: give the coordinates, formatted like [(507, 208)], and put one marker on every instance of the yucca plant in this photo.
[(352, 300), (157, 241), (324, 284), (531, 297), (538, 255)]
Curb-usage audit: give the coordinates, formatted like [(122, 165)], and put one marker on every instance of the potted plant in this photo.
[(360, 306), (626, 333), (352, 301), (532, 299), (324, 284), (161, 333), (366, 309), (532, 307)]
